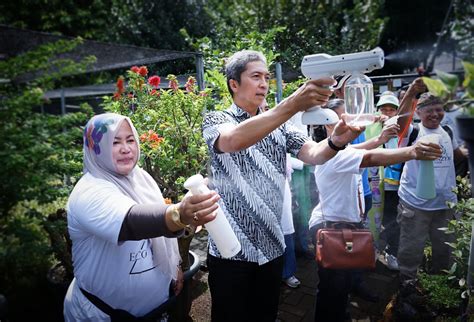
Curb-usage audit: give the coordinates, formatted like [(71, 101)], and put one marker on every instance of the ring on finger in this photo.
[(195, 216)]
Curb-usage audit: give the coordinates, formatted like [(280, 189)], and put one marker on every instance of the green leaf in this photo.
[(451, 81), (436, 87), (468, 78)]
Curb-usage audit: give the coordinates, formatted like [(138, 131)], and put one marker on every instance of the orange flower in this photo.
[(154, 92), (152, 138)]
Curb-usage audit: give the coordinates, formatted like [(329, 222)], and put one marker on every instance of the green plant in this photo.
[(446, 291), (41, 159), (41, 153), (462, 229), (291, 29), (447, 85), (168, 123), (442, 296), (25, 249)]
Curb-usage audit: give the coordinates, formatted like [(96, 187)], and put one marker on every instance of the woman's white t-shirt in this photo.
[(117, 273), (340, 188)]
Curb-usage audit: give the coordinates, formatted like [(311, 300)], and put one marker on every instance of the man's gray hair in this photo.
[(237, 63)]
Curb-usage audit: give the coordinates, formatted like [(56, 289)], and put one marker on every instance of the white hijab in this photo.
[(99, 136)]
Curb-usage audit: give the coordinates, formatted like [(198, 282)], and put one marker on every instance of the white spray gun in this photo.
[(324, 65)]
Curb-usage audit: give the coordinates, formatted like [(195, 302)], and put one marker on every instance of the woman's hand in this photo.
[(426, 151), (343, 133), (199, 209)]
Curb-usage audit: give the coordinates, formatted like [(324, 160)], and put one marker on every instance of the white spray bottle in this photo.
[(219, 228)]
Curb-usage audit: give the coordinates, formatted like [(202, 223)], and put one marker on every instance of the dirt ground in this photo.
[(298, 304), (201, 306)]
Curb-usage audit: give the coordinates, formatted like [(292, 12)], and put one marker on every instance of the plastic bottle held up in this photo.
[(393, 142), (359, 100), (425, 185), (425, 182), (219, 228)]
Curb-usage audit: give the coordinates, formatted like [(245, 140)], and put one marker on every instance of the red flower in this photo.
[(130, 95), (154, 92), (143, 71), (120, 85), (135, 69), (116, 96), (154, 81)]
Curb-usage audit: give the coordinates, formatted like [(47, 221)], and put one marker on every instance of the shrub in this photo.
[(168, 123)]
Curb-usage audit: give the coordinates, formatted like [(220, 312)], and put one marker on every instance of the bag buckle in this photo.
[(349, 247)]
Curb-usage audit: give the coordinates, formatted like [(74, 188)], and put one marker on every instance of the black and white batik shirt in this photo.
[(251, 184)]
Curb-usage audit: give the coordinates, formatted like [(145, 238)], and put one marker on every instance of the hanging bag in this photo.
[(341, 245), (345, 248)]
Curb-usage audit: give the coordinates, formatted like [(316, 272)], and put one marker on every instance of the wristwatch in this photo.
[(335, 147), (176, 217)]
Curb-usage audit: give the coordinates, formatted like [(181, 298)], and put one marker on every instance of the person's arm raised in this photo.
[(407, 103), (239, 137)]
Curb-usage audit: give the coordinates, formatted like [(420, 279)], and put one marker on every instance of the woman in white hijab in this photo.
[(124, 246)]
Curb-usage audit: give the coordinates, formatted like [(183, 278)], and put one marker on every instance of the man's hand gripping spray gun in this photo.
[(324, 65)]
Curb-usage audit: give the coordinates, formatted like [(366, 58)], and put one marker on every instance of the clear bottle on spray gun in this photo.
[(359, 100), (219, 228)]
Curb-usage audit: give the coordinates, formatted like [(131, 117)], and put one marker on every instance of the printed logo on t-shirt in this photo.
[(445, 160), (141, 259)]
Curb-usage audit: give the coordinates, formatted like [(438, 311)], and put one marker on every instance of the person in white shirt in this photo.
[(124, 247), (421, 218), (341, 201)]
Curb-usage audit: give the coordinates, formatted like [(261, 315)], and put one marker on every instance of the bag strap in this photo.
[(413, 135), (361, 211), (448, 130)]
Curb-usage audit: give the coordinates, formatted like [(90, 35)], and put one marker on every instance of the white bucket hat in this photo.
[(388, 99)]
